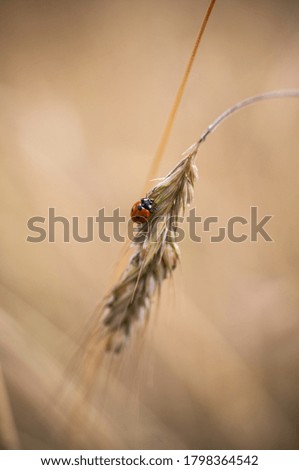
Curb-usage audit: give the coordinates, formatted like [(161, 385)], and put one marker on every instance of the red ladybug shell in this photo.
[(139, 214)]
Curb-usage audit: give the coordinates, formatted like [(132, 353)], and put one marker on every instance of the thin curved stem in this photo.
[(289, 93)]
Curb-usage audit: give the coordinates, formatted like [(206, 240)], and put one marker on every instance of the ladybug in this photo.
[(141, 210)]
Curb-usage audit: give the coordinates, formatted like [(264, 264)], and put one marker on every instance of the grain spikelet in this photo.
[(156, 255)]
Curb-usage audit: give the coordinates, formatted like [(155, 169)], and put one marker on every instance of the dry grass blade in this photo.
[(8, 432), (179, 95)]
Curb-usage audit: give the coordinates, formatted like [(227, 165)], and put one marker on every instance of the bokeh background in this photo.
[(85, 91)]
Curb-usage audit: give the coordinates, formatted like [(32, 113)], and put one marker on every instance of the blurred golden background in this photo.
[(86, 88)]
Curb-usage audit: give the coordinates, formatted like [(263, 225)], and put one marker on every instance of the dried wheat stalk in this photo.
[(156, 255)]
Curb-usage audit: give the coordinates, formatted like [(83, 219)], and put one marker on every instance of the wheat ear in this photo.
[(156, 255)]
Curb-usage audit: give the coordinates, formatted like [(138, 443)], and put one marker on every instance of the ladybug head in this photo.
[(147, 203)]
